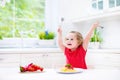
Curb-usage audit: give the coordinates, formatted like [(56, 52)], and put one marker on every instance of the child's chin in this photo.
[(69, 47)]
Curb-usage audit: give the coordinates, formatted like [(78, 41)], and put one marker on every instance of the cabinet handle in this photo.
[(45, 55), (1, 59)]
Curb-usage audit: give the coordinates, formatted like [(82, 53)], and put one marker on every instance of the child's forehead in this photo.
[(72, 35)]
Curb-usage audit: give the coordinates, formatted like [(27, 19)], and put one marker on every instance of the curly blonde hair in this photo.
[(78, 36)]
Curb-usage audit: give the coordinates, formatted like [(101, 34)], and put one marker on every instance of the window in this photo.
[(22, 18), (20, 22), (97, 4), (114, 3), (105, 4), (117, 2), (111, 3), (100, 5)]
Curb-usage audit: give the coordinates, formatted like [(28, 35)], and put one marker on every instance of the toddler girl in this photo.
[(75, 47)]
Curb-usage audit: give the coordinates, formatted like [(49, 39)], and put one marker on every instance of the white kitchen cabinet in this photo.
[(46, 57), (9, 60), (94, 59), (46, 60), (71, 9), (89, 10), (53, 58), (103, 60)]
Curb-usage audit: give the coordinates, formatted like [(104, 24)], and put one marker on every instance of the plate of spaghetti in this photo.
[(68, 69)]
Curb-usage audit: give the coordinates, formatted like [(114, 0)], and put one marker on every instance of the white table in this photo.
[(51, 74)]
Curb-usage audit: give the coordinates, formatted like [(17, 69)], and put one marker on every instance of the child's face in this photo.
[(71, 41)]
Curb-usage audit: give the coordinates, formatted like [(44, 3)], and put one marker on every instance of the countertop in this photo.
[(53, 50), (51, 74)]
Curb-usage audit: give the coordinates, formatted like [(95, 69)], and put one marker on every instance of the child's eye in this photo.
[(67, 39), (71, 39)]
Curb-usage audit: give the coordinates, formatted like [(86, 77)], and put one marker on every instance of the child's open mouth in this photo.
[(69, 44)]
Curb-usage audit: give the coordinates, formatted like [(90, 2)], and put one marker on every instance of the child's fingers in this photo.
[(96, 24), (59, 29)]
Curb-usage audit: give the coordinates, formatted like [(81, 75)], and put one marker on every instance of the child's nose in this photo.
[(69, 40)]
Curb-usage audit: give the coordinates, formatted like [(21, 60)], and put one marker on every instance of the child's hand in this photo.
[(96, 24), (59, 29)]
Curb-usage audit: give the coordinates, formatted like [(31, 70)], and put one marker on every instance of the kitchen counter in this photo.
[(54, 50), (51, 74)]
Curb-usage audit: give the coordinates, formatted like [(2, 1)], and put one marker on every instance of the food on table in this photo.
[(68, 68), (22, 69), (31, 68)]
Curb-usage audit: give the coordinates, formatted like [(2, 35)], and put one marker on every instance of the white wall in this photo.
[(111, 34)]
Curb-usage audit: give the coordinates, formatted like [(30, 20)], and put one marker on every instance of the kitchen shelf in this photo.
[(99, 16)]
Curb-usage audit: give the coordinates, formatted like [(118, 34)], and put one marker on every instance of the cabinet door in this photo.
[(46, 60), (9, 60), (103, 60), (55, 60)]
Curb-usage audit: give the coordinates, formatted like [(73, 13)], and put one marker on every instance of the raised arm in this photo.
[(60, 41), (89, 34)]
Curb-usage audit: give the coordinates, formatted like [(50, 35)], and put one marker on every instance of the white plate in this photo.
[(77, 70)]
